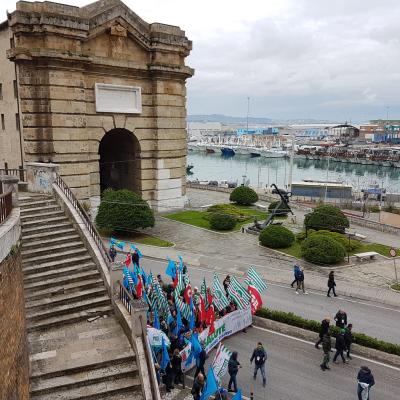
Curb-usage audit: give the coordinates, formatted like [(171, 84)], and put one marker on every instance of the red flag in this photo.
[(139, 288), (128, 260), (202, 310), (209, 297), (210, 320), (176, 279), (256, 300), (187, 294)]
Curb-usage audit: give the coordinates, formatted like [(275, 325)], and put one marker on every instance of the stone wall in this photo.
[(14, 360)]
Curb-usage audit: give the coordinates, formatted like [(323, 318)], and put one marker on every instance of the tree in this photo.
[(123, 211), (222, 222), (276, 237), (322, 249), (326, 217), (243, 195)]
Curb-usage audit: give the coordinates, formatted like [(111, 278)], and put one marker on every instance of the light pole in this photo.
[(327, 173), (290, 180)]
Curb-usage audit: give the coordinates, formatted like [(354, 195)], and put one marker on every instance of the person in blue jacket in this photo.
[(296, 270)]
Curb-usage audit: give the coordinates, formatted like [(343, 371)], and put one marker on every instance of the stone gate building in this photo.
[(100, 92)]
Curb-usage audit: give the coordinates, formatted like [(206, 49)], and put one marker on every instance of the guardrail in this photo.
[(125, 297), (20, 172), (5, 205), (86, 219)]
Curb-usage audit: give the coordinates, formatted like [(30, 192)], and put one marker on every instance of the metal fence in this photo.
[(125, 297), (5, 205), (20, 172)]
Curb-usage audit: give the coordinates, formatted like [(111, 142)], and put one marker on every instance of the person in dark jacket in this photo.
[(326, 347), (365, 382), (341, 319), (296, 269), (226, 283), (200, 363), (176, 363), (324, 328), (300, 281), (340, 346), (113, 253), (197, 387), (348, 339), (259, 356), (233, 368), (331, 284), (168, 377), (135, 258)]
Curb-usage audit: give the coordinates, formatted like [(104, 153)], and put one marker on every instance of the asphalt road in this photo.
[(370, 318), (293, 371)]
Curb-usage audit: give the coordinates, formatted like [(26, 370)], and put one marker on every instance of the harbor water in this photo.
[(262, 171)]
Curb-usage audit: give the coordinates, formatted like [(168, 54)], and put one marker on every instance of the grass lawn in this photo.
[(396, 286), (141, 238), (196, 218)]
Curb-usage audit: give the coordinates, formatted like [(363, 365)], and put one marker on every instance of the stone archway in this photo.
[(120, 167)]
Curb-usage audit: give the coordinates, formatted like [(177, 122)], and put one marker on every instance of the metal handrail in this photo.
[(20, 172), (86, 219), (125, 297), (5, 205)]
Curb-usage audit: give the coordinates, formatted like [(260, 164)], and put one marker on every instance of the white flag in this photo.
[(220, 363)]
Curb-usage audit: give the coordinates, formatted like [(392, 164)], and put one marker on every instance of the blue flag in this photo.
[(195, 349), (171, 269), (211, 385), (179, 324), (238, 395), (115, 242), (156, 323), (134, 248), (192, 322), (164, 355), (180, 263)]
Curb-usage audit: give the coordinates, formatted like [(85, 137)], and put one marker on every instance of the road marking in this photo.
[(312, 343)]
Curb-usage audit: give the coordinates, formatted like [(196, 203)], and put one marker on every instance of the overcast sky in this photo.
[(324, 59)]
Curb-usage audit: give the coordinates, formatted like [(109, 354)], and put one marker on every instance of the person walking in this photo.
[(341, 319), (324, 328), (135, 258), (326, 348), (331, 284), (365, 381), (340, 346), (296, 269), (113, 253), (260, 357), (176, 363), (197, 387), (348, 339), (300, 281), (200, 363), (233, 368), (226, 283)]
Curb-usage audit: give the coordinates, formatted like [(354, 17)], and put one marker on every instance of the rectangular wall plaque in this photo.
[(118, 98)]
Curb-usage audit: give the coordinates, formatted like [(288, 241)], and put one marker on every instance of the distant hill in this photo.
[(226, 119)]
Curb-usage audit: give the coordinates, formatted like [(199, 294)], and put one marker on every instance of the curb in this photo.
[(311, 336)]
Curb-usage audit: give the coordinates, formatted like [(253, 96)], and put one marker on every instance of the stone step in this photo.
[(58, 264), (63, 299), (43, 250), (64, 280), (84, 378), (41, 215), (113, 389), (56, 255), (44, 221), (38, 238), (77, 305), (50, 229), (75, 317), (59, 272), (43, 208), (66, 288), (33, 244), (36, 201)]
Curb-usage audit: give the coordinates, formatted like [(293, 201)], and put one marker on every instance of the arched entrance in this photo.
[(119, 152)]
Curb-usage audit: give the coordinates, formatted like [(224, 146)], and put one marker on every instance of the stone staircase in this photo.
[(78, 350)]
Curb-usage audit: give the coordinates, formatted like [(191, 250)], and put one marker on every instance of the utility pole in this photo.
[(247, 119), (291, 165), (327, 172)]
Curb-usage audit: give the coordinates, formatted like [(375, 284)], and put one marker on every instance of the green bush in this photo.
[(243, 195), (123, 211), (222, 222), (276, 237), (301, 236), (359, 338), (321, 249), (326, 217), (230, 209), (342, 239), (282, 210)]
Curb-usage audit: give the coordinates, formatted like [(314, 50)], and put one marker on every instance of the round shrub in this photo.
[(243, 195), (326, 217), (123, 211), (342, 239), (282, 210), (276, 237), (230, 209), (222, 222), (322, 249)]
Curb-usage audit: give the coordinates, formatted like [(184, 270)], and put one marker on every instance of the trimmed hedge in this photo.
[(222, 222), (311, 325), (243, 195), (282, 210), (321, 249), (230, 209), (276, 237), (123, 211), (340, 238), (326, 217)]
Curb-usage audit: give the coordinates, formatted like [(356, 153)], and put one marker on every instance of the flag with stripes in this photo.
[(203, 292), (253, 279), (183, 307), (238, 294), (183, 281), (219, 299)]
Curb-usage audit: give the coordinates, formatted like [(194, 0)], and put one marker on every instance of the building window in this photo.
[(15, 88), (12, 42), (1, 91), (3, 125), (17, 121)]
